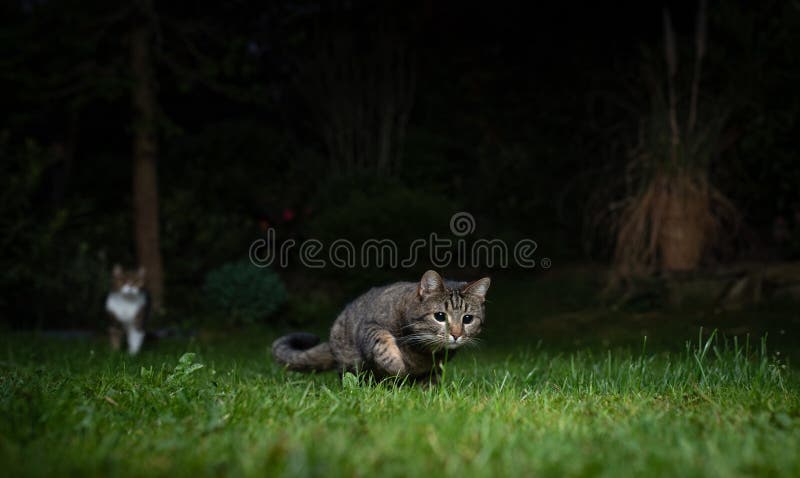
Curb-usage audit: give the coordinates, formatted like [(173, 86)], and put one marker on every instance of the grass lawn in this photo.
[(221, 407)]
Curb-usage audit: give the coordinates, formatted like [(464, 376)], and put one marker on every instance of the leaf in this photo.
[(185, 367), (111, 401)]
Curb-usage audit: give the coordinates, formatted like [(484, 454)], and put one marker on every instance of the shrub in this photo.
[(366, 207), (245, 293), (50, 272), (670, 215)]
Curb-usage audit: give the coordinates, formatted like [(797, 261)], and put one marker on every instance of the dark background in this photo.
[(522, 114)]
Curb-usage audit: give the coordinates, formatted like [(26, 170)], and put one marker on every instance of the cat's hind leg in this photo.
[(115, 336)]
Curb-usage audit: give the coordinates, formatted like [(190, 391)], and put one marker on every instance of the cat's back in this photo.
[(380, 300)]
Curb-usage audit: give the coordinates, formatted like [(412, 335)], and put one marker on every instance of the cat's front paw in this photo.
[(395, 368)]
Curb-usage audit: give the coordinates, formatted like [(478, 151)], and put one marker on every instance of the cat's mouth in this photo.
[(453, 342), (129, 290)]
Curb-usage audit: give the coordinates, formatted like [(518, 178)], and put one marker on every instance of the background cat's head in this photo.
[(128, 282), (446, 314)]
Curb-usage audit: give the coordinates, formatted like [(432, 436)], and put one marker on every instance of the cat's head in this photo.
[(128, 282), (447, 314)]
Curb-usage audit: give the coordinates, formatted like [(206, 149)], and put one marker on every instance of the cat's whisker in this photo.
[(420, 339), (471, 342)]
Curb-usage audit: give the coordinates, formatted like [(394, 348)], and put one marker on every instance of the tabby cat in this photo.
[(128, 306), (406, 329)]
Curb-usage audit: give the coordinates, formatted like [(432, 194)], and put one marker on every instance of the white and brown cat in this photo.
[(128, 307)]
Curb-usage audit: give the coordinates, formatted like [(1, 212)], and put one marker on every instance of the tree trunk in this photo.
[(145, 153)]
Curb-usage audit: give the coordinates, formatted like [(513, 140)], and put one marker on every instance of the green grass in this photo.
[(715, 409)]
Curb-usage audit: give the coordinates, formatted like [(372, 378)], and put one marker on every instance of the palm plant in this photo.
[(671, 214)]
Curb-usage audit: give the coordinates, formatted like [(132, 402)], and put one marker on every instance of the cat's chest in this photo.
[(420, 362), (125, 307)]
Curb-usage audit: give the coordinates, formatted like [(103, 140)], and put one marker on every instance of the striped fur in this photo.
[(404, 329), (302, 352)]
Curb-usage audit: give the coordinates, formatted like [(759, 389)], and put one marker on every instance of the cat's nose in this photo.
[(454, 337)]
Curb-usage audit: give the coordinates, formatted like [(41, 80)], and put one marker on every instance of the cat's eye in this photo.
[(440, 316), (466, 319)]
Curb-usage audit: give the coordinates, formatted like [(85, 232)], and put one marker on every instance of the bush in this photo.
[(199, 236), (50, 272), (312, 307), (245, 293), (362, 208)]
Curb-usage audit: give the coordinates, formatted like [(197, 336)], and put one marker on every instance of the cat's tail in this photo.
[(302, 352)]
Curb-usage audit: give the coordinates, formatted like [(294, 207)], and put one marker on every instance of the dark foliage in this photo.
[(244, 294), (515, 116)]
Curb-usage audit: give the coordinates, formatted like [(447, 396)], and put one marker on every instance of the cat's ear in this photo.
[(478, 289), (116, 272), (431, 284), (141, 272)]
